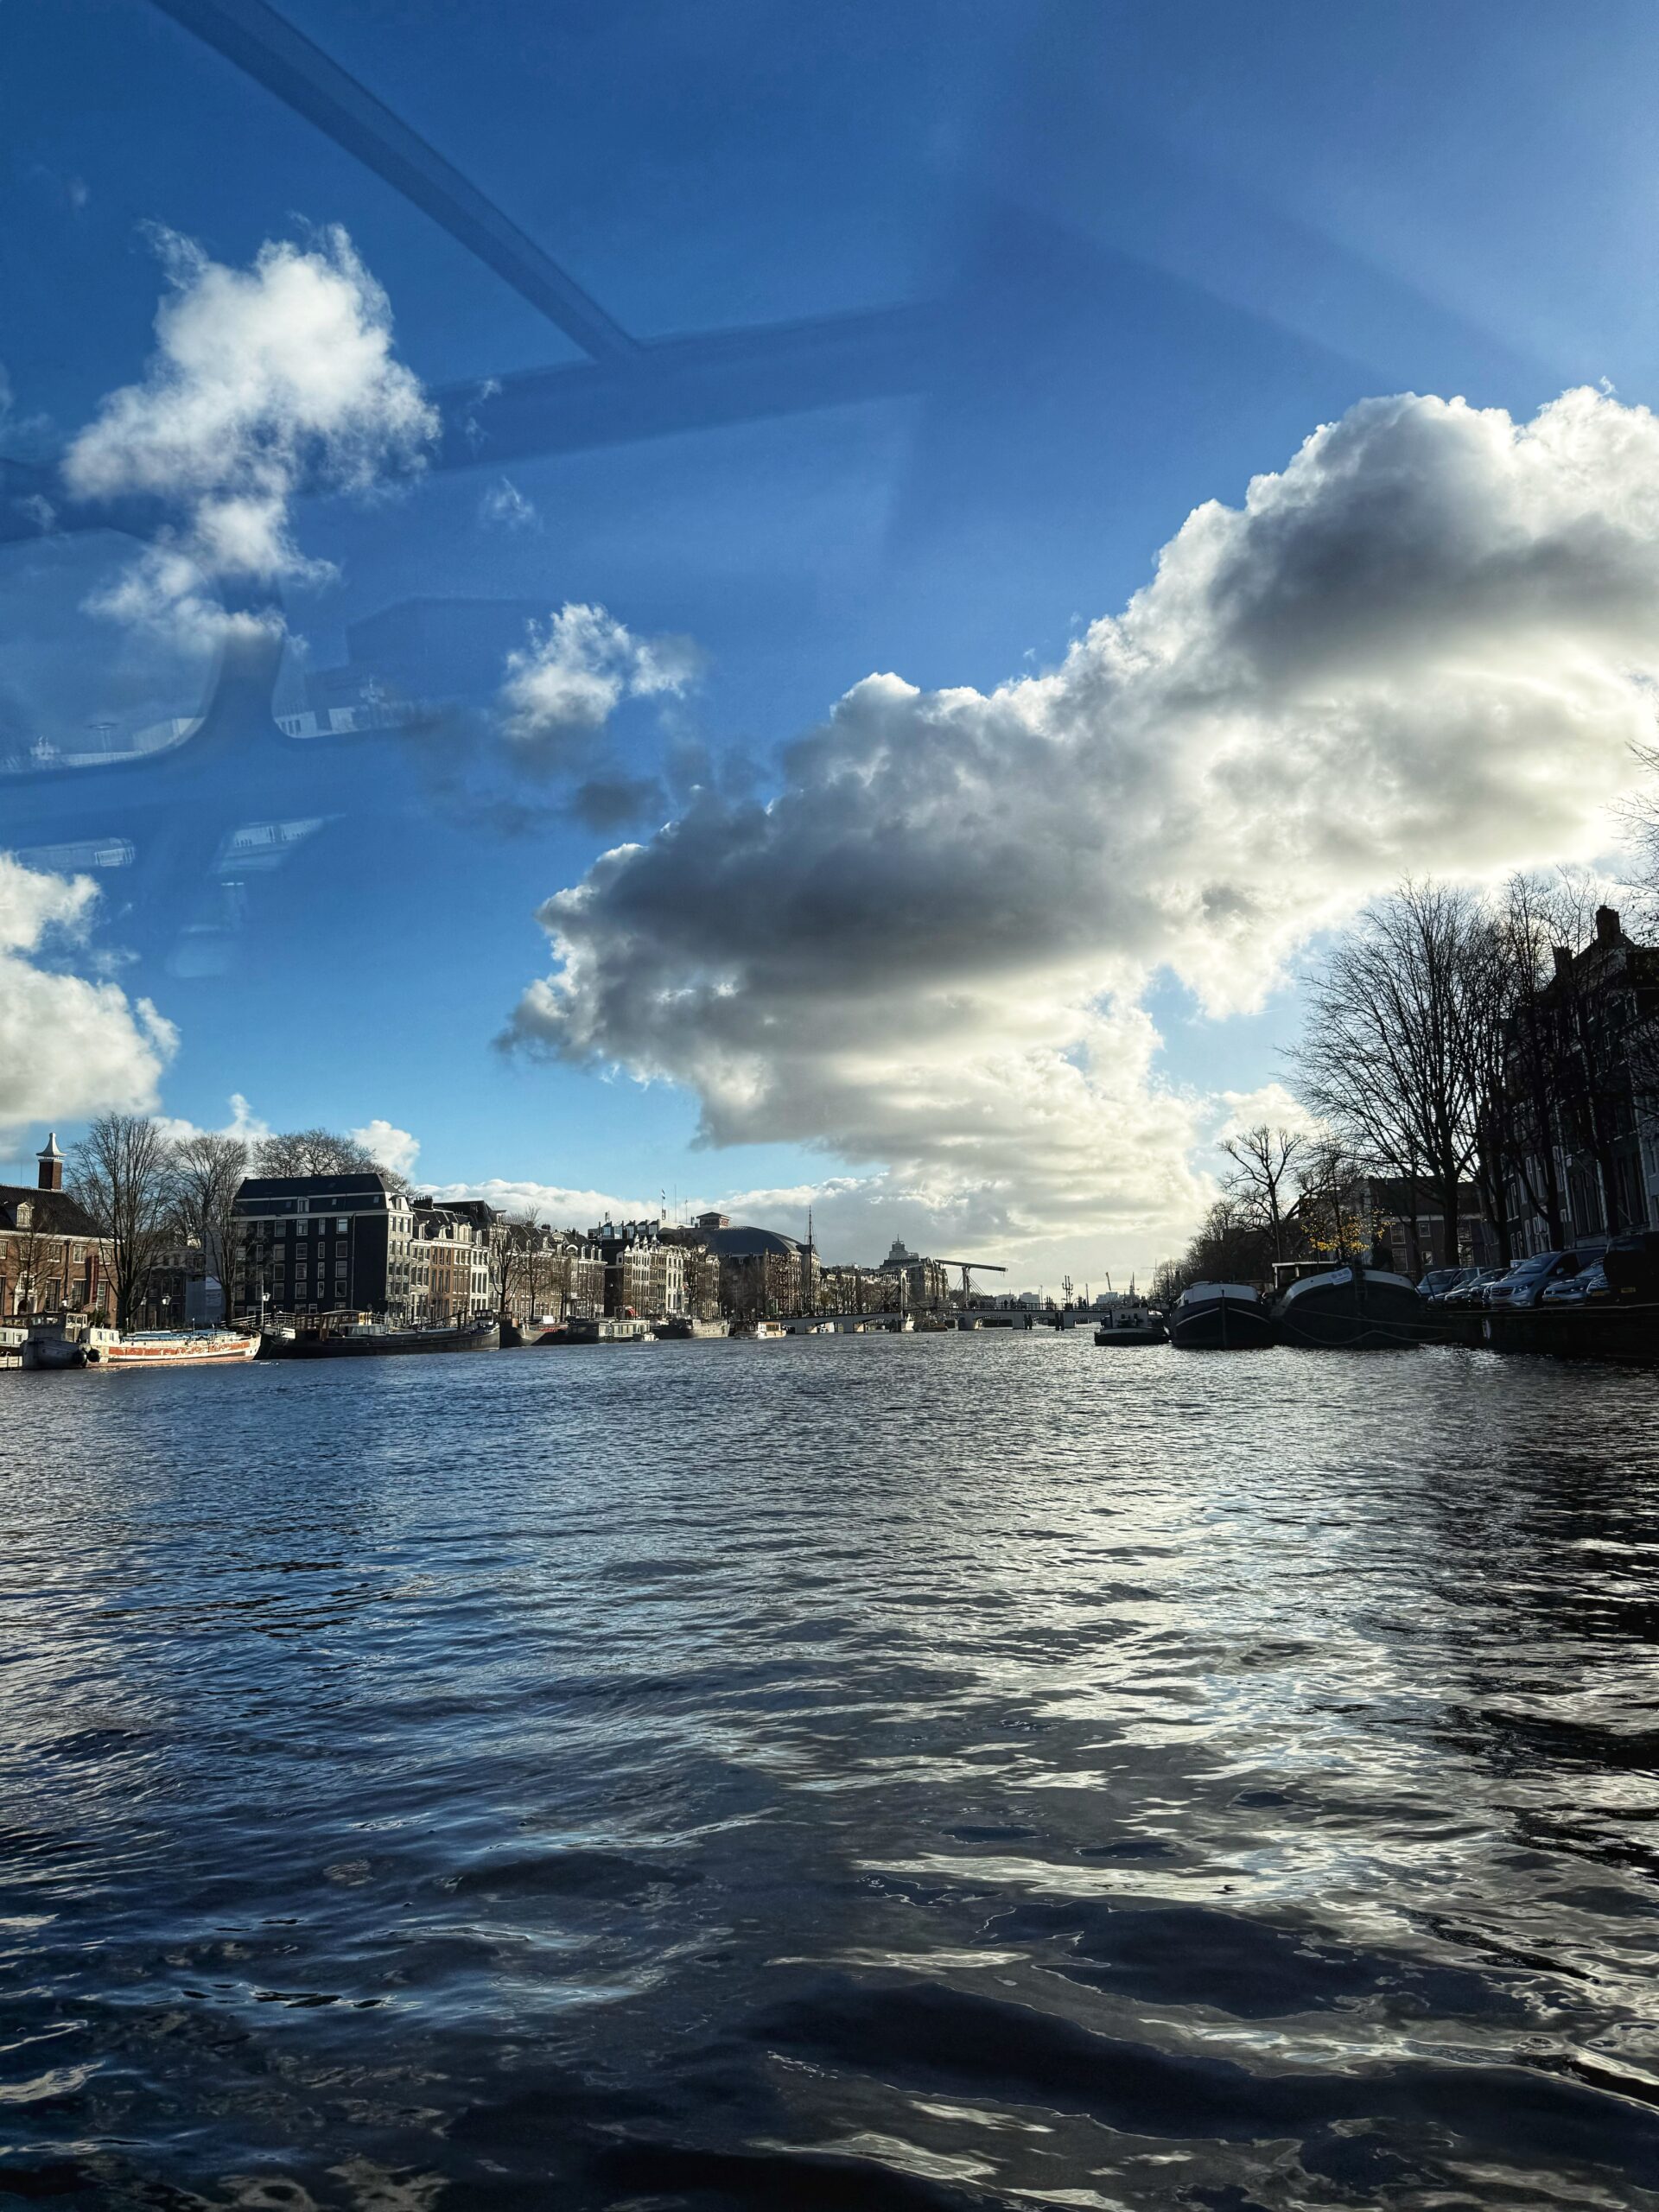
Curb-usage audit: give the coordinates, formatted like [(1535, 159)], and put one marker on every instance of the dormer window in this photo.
[(25, 1213)]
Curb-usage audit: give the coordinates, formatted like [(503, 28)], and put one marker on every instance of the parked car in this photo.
[(1588, 1287), (1528, 1280), (1439, 1282), (1631, 1262), (1471, 1290)]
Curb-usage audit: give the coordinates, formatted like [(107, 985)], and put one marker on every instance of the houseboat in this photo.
[(602, 1329), (357, 1339), (1351, 1309), (1220, 1317), (50, 1344)]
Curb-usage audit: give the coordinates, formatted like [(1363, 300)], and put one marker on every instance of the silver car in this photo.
[(1528, 1280), (1589, 1287)]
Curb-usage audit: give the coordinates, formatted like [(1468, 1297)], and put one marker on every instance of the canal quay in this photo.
[(874, 1770)]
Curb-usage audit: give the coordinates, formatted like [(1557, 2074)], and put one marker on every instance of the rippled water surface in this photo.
[(864, 1772)]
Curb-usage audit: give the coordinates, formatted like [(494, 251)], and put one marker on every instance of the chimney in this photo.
[(1563, 961), (51, 1159), (1607, 926)]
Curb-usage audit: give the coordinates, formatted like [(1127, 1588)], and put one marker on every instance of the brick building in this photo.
[(52, 1258)]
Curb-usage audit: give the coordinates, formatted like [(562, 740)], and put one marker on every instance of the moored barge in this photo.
[(373, 1340), (1220, 1317)]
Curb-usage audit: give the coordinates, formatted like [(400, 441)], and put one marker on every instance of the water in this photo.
[(879, 1773)]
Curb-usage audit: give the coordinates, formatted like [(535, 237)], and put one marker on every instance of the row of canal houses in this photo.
[(1582, 1163)]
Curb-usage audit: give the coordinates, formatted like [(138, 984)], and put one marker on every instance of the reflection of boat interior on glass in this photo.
[(1220, 1317), (370, 1339), (1129, 1321), (1352, 1308)]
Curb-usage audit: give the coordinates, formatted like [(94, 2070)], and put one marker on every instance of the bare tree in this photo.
[(1230, 1247), (121, 1173), (31, 1248), (1263, 1178), (1328, 1225), (521, 1259), (1387, 1058), (319, 1151), (208, 1172)]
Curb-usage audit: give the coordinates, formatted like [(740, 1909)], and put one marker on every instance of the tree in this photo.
[(319, 1151), (1329, 1225), (1229, 1247), (208, 1172), (1545, 1087), (31, 1250), (522, 1263), (1389, 1056), (1264, 1164), (121, 1173)]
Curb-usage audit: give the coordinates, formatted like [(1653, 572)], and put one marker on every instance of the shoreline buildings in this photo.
[(313, 1244), (52, 1259)]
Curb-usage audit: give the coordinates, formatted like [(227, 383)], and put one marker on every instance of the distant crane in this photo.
[(985, 1267)]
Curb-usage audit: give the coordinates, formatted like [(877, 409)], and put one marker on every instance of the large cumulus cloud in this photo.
[(69, 1045), (1426, 645), (264, 380)]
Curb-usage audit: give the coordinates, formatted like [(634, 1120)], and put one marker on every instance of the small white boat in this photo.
[(767, 1332), (53, 1344), (1131, 1321)]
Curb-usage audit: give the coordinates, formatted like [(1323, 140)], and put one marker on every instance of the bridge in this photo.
[(896, 1318)]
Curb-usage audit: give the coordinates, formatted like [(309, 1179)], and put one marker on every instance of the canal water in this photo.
[(868, 1772)]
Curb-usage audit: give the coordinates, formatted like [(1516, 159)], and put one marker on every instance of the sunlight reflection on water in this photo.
[(912, 1772)]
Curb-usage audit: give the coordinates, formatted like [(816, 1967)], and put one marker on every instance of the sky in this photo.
[(1204, 474)]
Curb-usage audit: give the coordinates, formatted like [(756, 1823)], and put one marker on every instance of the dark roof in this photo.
[(743, 1243), (306, 1186), (56, 1212)]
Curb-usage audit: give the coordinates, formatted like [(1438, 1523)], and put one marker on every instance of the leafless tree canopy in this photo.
[(317, 1152), (208, 1172), (32, 1249), (121, 1172), (1263, 1182), (1393, 1054)]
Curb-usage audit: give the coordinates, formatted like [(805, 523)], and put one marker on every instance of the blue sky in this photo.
[(1168, 243)]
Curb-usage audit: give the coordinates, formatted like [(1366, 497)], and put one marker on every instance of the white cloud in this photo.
[(393, 1147), (69, 1047), (264, 381), (506, 506), (24, 436), (575, 672), (1427, 645), (249, 1127), (1270, 1106), (553, 1202)]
